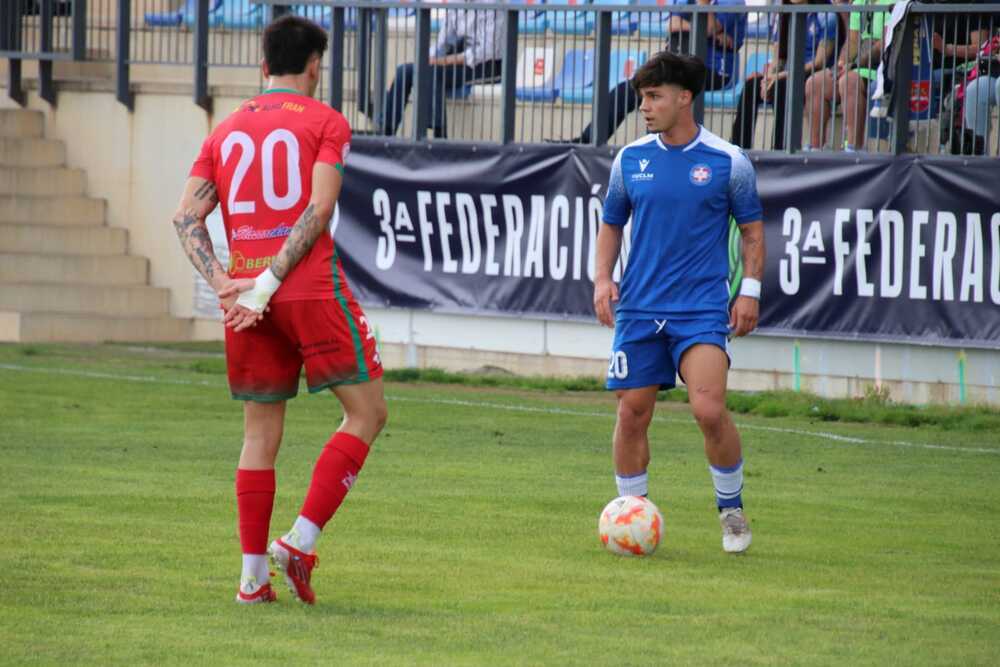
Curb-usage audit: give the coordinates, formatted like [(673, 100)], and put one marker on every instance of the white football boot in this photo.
[(735, 530)]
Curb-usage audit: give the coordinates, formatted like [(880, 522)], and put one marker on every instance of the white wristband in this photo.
[(264, 286), (750, 287)]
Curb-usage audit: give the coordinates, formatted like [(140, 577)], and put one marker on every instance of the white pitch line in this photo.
[(517, 408), (690, 422)]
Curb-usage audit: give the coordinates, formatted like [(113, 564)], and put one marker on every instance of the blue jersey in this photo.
[(820, 27), (721, 60), (680, 199)]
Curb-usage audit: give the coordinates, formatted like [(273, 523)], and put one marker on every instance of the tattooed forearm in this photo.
[(197, 244), (304, 234), (753, 250), (205, 191)]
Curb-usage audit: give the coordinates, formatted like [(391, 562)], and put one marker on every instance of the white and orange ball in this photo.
[(631, 526)]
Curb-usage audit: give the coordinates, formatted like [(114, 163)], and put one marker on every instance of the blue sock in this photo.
[(632, 485), (728, 485)]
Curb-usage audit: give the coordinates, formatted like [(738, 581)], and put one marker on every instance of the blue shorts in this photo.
[(648, 352)]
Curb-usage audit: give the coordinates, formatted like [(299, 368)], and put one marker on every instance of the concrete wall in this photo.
[(138, 162)]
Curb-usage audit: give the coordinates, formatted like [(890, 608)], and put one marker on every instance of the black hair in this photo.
[(686, 71), (289, 42)]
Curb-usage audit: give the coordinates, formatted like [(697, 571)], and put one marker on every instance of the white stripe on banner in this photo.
[(823, 435)]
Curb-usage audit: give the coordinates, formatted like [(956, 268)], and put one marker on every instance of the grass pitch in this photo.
[(471, 536)]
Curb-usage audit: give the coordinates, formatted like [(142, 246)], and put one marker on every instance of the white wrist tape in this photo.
[(750, 287), (264, 286)]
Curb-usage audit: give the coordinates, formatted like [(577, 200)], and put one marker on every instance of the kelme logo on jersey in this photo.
[(701, 174)]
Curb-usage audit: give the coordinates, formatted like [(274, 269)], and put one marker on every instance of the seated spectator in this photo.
[(469, 49), (726, 32), (970, 40), (822, 39), (982, 93), (847, 81)]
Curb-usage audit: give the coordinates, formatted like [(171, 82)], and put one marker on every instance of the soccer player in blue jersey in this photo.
[(679, 184)]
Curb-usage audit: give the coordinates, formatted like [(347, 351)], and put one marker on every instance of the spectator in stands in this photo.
[(847, 81), (726, 32), (469, 49), (980, 94), (958, 40), (823, 36)]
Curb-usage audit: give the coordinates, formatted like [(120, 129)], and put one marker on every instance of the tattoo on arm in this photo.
[(197, 244), (304, 234), (753, 251), (205, 191)]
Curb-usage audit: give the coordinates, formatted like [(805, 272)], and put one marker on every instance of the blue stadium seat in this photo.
[(571, 22), (729, 97), (623, 65), (243, 15), (576, 78), (623, 22), (532, 21), (653, 24), (184, 15), (323, 16)]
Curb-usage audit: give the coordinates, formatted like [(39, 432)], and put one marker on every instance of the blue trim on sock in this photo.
[(723, 503), (638, 474), (735, 494), (726, 470)]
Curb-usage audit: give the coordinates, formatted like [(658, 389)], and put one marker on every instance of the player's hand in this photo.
[(250, 303), (240, 317), (743, 317), (605, 295), (231, 289)]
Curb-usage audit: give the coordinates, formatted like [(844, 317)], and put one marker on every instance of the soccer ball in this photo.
[(631, 526)]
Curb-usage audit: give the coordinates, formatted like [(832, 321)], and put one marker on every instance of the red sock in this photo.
[(254, 499), (336, 469)]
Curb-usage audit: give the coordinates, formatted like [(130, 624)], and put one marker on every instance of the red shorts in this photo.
[(330, 337)]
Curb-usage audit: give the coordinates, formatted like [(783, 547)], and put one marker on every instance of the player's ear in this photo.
[(263, 68)]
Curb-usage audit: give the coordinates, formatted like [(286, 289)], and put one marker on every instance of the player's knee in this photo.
[(370, 416), (709, 413), (634, 418)]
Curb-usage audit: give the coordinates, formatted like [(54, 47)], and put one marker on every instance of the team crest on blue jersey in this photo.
[(701, 174)]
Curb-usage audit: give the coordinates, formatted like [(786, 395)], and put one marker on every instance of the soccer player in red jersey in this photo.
[(275, 165)]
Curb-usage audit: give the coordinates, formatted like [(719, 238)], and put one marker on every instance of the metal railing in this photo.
[(559, 72)]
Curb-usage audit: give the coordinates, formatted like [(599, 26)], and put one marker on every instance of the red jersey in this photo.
[(261, 161)]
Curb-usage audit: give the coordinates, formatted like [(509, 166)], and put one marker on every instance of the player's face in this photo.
[(662, 105)]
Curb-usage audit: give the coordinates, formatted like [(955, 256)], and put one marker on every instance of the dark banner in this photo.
[(878, 248)]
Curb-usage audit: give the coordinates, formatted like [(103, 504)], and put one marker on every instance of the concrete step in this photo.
[(60, 327), (42, 181), (67, 240), (139, 301), (31, 152), (21, 123), (121, 270), (51, 210)]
